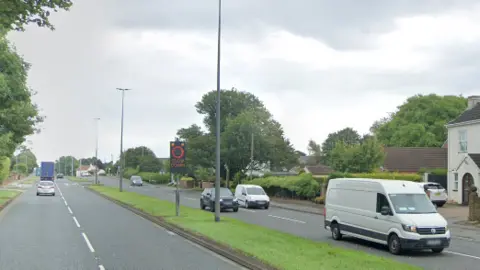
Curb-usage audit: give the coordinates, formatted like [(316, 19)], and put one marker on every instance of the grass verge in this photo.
[(6, 195), (278, 249), (78, 179), (30, 180)]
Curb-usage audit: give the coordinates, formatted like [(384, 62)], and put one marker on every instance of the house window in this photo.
[(462, 140), (455, 181)]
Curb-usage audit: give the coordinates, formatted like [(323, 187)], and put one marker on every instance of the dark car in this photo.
[(136, 180), (227, 199), (60, 175)]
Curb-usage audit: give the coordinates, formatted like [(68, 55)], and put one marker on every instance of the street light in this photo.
[(96, 149), (217, 166), (121, 140)]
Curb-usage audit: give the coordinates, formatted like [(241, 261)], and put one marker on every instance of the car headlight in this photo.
[(221, 200), (409, 228)]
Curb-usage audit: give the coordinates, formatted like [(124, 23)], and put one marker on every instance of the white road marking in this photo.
[(462, 254), (289, 219), (88, 242), (69, 210), (192, 199), (65, 202), (101, 267), (248, 210), (76, 222), (463, 238), (171, 233)]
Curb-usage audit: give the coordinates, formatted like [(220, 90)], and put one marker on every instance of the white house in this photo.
[(464, 152)]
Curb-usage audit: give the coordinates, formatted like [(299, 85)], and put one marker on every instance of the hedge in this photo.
[(303, 186), (4, 168), (154, 178)]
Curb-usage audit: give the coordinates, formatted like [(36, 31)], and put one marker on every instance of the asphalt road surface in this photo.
[(463, 253), (77, 229)]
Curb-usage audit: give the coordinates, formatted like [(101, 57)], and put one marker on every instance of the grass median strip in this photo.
[(6, 195), (78, 179), (279, 249), (30, 180)]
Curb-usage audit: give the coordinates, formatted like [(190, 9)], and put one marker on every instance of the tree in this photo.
[(64, 165), (420, 121), (243, 116), (347, 135), (16, 14), (364, 157), (142, 157), (315, 150), (18, 115), (27, 158)]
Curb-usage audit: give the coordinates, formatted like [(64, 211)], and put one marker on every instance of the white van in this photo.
[(250, 196), (391, 212)]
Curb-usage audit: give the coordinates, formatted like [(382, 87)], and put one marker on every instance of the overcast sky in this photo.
[(318, 66)]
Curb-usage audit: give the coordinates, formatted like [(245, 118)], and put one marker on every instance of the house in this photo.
[(84, 169), (319, 170), (414, 159), (464, 152)]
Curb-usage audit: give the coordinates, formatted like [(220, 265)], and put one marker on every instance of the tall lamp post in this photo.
[(96, 149), (217, 166), (121, 141)]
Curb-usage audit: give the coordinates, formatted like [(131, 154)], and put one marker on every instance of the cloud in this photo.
[(318, 66)]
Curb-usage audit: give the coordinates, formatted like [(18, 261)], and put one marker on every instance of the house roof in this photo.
[(475, 158), (319, 169), (412, 159), (468, 115), (83, 168)]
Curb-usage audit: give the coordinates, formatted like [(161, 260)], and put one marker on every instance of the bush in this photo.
[(383, 175), (303, 186), (155, 178), (128, 172), (185, 178), (319, 200), (4, 168)]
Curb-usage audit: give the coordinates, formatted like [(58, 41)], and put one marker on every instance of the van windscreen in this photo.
[(255, 191), (412, 204)]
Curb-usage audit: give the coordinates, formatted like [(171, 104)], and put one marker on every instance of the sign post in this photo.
[(178, 167)]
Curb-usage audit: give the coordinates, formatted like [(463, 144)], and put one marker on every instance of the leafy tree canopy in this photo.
[(143, 158), (25, 157), (363, 157), (18, 13), (347, 136), (420, 121)]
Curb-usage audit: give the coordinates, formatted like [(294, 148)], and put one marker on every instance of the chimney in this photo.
[(473, 101)]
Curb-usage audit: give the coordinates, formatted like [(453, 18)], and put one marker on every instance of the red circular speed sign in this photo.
[(178, 152)]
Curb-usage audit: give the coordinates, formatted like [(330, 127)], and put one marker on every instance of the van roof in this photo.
[(388, 186), (248, 186)]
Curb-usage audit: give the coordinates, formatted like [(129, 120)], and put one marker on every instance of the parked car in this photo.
[(227, 200), (250, 196), (45, 188), (437, 193), (60, 175), (394, 213), (136, 180)]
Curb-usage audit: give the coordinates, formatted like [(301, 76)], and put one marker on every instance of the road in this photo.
[(77, 229), (463, 254)]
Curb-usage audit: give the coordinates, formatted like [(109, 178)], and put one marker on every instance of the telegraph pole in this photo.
[(96, 151), (217, 165), (120, 165)]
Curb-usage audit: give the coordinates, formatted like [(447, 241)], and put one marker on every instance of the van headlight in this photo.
[(409, 228), (235, 199)]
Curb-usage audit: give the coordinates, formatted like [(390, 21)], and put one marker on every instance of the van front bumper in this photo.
[(424, 243)]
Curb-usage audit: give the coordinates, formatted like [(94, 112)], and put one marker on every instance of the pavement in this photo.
[(464, 252), (77, 229)]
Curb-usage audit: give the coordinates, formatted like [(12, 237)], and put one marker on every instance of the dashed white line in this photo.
[(248, 210), (191, 199), (289, 219), (69, 210), (461, 254), (88, 242), (76, 222), (66, 204)]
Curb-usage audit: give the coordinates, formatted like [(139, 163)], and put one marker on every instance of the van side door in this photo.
[(382, 223), (241, 196)]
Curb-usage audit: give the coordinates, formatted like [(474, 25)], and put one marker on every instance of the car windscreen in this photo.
[(136, 178), (225, 192), (255, 191), (412, 204), (46, 184)]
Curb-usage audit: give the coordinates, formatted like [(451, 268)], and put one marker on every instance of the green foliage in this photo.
[(4, 168), (20, 168), (386, 176), (142, 157), (438, 171), (154, 178), (18, 115), (420, 121), (185, 178), (315, 150), (347, 135), (64, 165), (128, 172), (303, 185), (27, 157), (16, 14), (362, 157)]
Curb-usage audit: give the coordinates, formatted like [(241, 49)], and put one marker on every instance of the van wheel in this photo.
[(437, 250), (394, 245), (336, 234)]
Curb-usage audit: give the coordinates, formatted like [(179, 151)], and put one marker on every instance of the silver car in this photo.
[(136, 180), (45, 188)]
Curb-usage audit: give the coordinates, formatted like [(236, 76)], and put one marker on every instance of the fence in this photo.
[(439, 179)]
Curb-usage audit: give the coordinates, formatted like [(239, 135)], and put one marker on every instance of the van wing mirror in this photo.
[(385, 211), (208, 194), (244, 194)]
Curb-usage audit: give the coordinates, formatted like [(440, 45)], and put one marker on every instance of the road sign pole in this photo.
[(177, 198), (177, 167)]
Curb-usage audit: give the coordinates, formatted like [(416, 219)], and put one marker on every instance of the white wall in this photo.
[(455, 157)]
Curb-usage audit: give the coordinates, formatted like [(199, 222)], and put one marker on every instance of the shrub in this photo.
[(128, 172), (303, 186), (319, 200), (4, 168), (185, 178), (155, 178)]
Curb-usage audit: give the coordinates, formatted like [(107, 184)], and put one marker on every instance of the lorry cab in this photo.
[(395, 213)]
